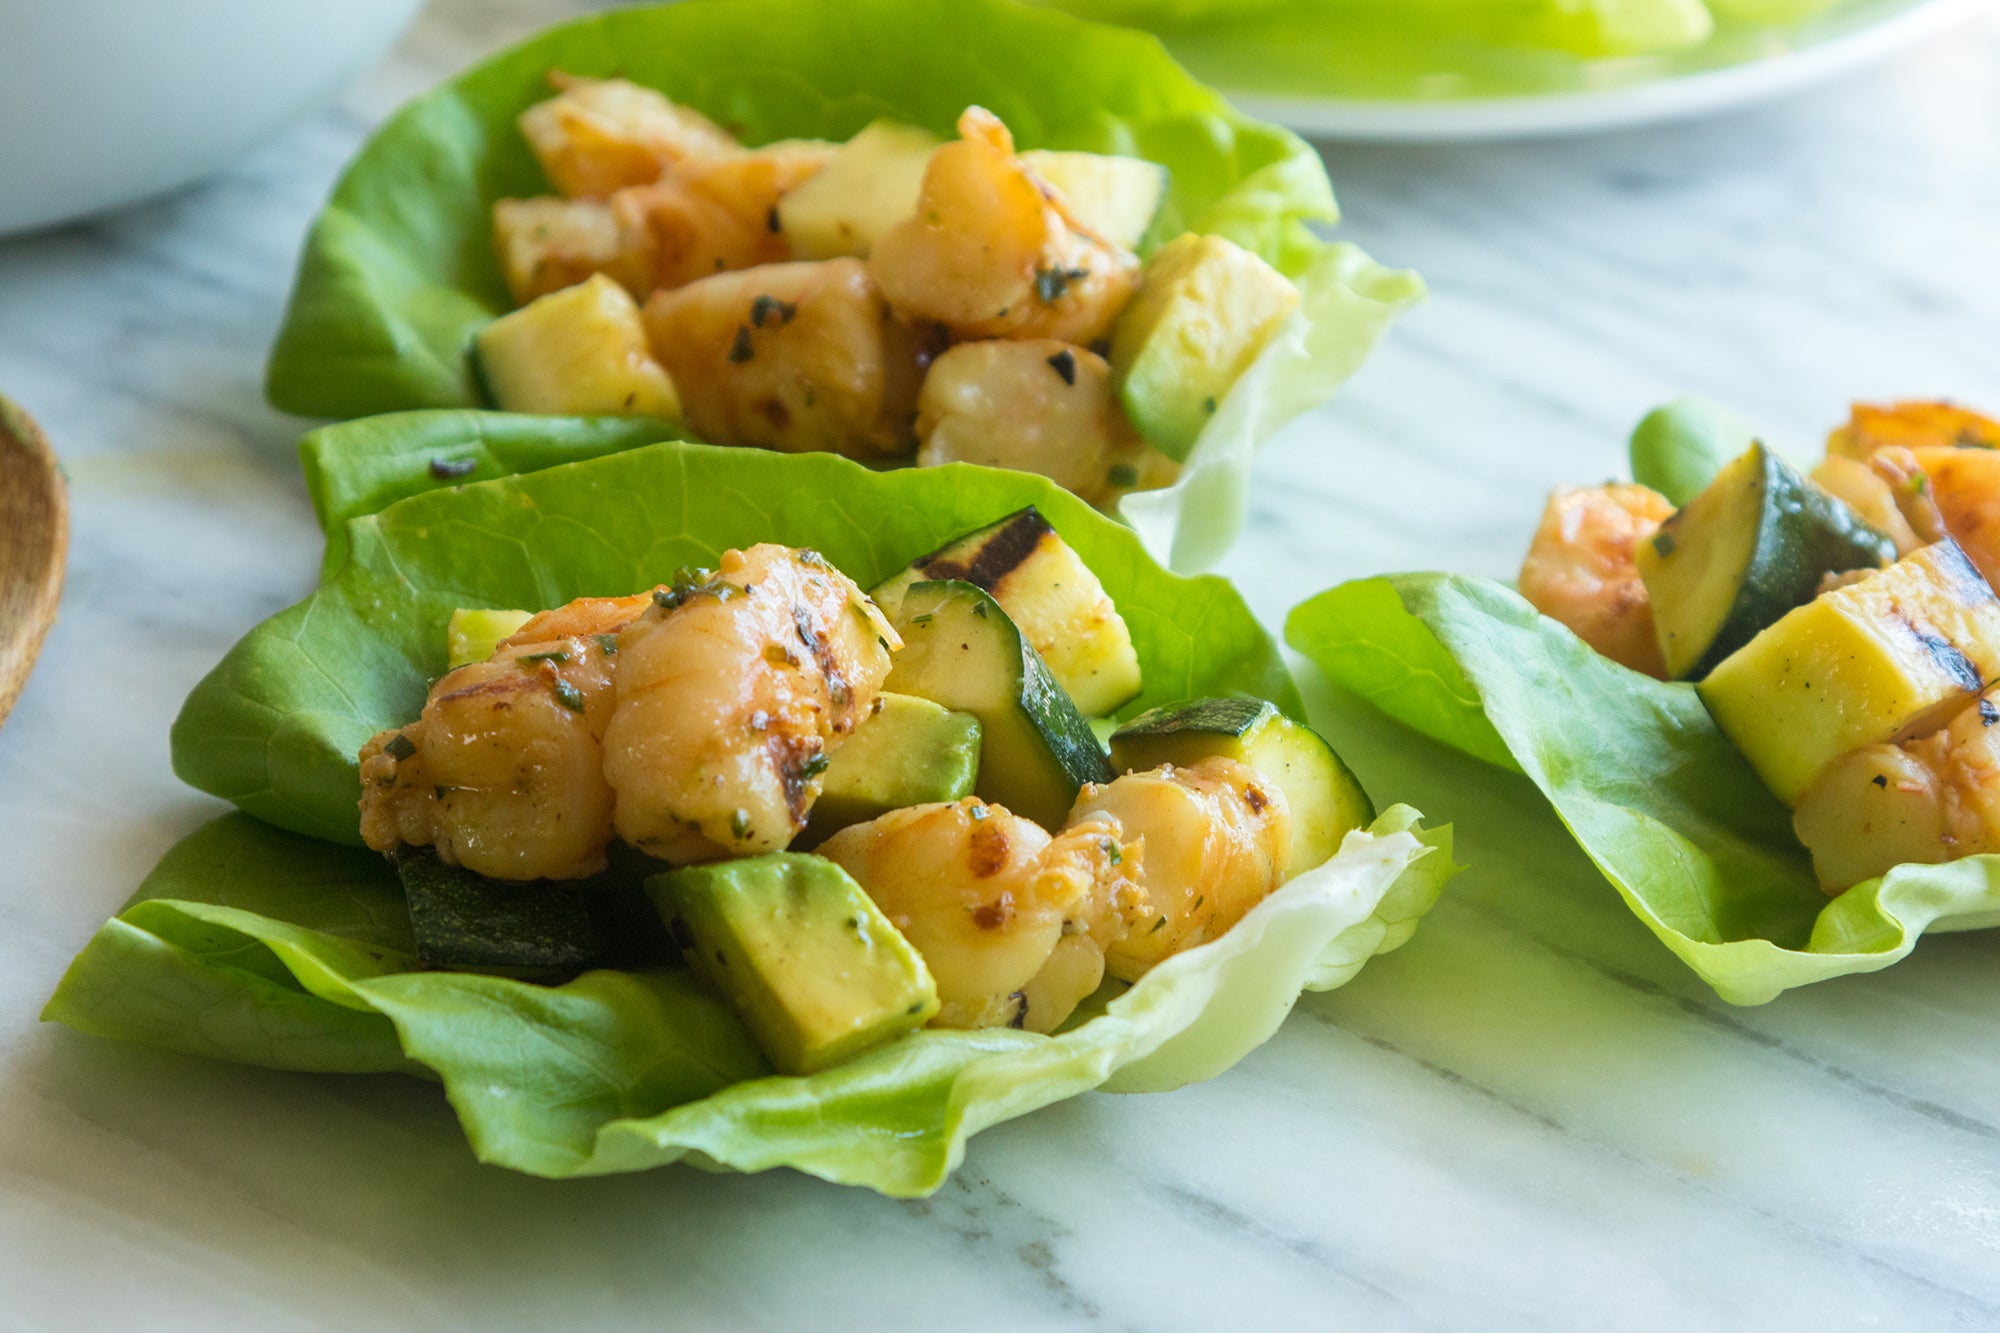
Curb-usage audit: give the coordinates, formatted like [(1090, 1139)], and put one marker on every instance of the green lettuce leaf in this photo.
[(276, 726), (255, 945), (398, 272), (1652, 791)]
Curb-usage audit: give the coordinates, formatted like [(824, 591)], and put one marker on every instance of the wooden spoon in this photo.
[(34, 538)]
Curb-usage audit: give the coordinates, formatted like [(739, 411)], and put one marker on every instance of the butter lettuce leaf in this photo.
[(1652, 791), (398, 272), (264, 947)]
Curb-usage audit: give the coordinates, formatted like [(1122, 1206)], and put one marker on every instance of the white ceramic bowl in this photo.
[(103, 102)]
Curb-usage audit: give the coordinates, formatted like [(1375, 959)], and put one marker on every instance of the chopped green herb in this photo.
[(772, 222), (1123, 475), (1664, 543), (1112, 850), (1208, 404), (1064, 364), (924, 619), (399, 747), (555, 655), (607, 644), (767, 308), (448, 469), (568, 695), (1157, 924), (814, 766), (741, 350), (739, 823), (1051, 283), (976, 813), (979, 609)]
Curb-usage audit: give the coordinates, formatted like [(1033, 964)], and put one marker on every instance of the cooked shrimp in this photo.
[(1928, 800), (730, 691), (1037, 405), (504, 771), (598, 136), (797, 357), (1912, 425), (1868, 494), (1580, 569), (713, 215), (991, 253), (1964, 485), (548, 244), (991, 902), (1203, 843)]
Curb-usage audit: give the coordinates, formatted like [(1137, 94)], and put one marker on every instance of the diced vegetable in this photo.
[(961, 650), (910, 751), (1867, 493), (1052, 598), (461, 919), (546, 245), (1965, 483), (1321, 793), (867, 186), (473, 634), (817, 973), (1749, 548), (1115, 198), (581, 351), (1889, 657), (1206, 307)]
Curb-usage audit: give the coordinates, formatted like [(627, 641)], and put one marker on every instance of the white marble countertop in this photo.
[(1531, 1117)]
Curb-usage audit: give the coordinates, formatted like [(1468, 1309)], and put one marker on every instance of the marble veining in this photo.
[(1532, 1117)]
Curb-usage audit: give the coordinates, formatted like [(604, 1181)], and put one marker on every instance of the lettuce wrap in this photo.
[(1653, 792), (278, 941), (398, 273)]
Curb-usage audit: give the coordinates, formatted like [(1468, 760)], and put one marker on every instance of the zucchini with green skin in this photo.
[(1049, 592), (1323, 797), (535, 928), (961, 650), (1753, 545), (1890, 657)]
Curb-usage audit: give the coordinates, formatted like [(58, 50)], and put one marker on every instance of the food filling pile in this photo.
[(891, 298), (1842, 628)]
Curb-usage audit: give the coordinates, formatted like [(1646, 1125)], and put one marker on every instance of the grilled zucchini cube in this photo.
[(961, 650), (814, 969), (1113, 198), (580, 351), (1321, 793), (1206, 307), (1052, 598), (1749, 548), (1885, 659), (869, 185), (909, 751)]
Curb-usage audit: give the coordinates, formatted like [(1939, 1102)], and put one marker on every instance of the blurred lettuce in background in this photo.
[(1430, 48)]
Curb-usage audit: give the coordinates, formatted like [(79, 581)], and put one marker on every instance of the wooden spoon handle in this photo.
[(34, 539)]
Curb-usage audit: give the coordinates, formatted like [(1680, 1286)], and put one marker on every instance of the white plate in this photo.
[(1858, 35)]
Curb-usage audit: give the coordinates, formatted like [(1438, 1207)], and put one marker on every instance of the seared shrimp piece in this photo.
[(598, 136), (1929, 800), (713, 215), (1964, 484), (504, 771), (991, 902), (1580, 569), (548, 244), (731, 690), (1869, 494), (1037, 405), (1912, 425), (1203, 844), (797, 357), (991, 253)]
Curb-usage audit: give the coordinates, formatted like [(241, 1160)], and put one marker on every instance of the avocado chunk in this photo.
[(909, 751), (814, 969), (1206, 307), (869, 185), (473, 634), (1114, 198)]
